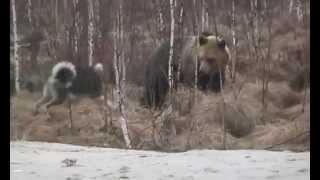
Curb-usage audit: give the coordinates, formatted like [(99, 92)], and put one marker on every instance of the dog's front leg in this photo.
[(45, 98)]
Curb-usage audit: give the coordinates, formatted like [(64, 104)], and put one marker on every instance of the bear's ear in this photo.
[(203, 40), (221, 43)]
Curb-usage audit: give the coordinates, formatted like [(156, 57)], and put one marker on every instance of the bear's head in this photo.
[(213, 53)]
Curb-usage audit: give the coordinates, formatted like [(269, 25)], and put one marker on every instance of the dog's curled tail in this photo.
[(98, 67)]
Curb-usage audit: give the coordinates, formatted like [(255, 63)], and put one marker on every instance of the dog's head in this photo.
[(65, 73)]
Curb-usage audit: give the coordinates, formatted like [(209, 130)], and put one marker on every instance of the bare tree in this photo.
[(56, 15), (299, 9), (214, 14), (234, 42), (266, 60), (203, 15), (90, 32), (76, 28), (161, 19), (181, 36), (196, 33), (117, 63), (16, 55), (122, 45), (307, 55), (290, 6), (171, 46), (29, 6)]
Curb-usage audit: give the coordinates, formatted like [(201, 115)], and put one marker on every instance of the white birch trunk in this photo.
[(299, 10), (15, 45), (207, 19), (122, 119), (76, 29), (171, 45), (29, 5), (290, 6), (256, 24), (161, 22), (196, 58), (233, 23), (124, 128), (122, 55), (214, 18), (181, 29), (90, 32), (116, 63), (202, 15), (233, 64), (196, 69)]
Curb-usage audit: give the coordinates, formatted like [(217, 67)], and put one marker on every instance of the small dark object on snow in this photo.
[(69, 162)]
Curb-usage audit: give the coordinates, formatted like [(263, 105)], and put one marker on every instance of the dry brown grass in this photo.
[(197, 126)]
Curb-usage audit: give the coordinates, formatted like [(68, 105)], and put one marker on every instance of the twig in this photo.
[(70, 114)]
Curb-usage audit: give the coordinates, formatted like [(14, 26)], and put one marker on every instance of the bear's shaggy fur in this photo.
[(213, 56), (156, 83)]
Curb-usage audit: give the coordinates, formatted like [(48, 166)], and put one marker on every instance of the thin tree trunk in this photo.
[(123, 120), (233, 31), (266, 62), (195, 18), (180, 26), (290, 6), (207, 19), (196, 33), (90, 32), (171, 46), (223, 109), (76, 30), (214, 18), (307, 58), (29, 5), (122, 54), (299, 10), (16, 55), (202, 15), (57, 16), (117, 63), (13, 128), (107, 111), (160, 20)]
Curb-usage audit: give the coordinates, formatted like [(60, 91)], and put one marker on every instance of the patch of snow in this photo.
[(39, 160)]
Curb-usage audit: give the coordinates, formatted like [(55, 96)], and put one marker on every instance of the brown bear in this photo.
[(213, 55)]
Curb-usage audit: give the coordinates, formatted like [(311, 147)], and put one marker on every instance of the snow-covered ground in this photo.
[(45, 161)]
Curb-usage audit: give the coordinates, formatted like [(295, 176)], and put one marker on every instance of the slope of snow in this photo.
[(46, 161)]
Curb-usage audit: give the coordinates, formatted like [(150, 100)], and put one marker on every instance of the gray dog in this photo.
[(68, 81)]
